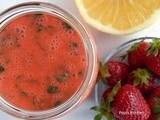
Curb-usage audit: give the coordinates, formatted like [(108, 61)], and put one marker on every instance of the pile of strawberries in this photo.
[(133, 93)]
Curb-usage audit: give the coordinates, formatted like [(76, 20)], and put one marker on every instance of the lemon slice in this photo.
[(119, 16)]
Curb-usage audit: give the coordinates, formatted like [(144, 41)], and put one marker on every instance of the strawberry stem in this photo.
[(141, 76), (154, 47), (157, 100), (158, 117), (98, 117), (102, 73), (156, 108), (135, 46), (105, 108)]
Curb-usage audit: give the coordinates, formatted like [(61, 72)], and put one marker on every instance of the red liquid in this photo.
[(42, 62)]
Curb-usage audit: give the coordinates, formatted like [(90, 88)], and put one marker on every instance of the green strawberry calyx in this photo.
[(154, 47), (105, 107), (156, 108), (141, 76), (134, 47), (103, 73)]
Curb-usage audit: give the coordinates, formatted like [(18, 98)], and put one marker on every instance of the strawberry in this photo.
[(113, 71), (106, 94), (135, 55), (122, 103), (152, 57), (106, 103), (129, 104), (143, 79), (153, 116), (154, 103)]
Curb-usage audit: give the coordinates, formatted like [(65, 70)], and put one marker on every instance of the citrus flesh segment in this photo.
[(119, 16)]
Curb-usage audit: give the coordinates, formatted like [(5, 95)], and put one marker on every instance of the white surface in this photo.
[(105, 44)]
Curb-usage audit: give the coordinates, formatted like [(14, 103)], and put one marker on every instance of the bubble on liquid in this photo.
[(54, 81), (55, 44), (36, 101), (83, 60), (30, 75), (52, 48), (1, 61), (74, 75), (43, 83), (55, 98), (12, 96), (70, 66), (66, 55), (2, 78), (74, 53), (8, 43), (73, 84), (14, 76), (31, 93), (20, 30), (13, 87), (65, 85), (69, 33), (42, 95), (40, 19), (51, 57)]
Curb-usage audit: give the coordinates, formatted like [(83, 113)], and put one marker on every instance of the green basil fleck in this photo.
[(73, 45), (24, 94), (57, 103), (66, 26), (39, 14), (39, 28), (61, 77), (51, 27), (15, 40), (2, 69), (52, 89)]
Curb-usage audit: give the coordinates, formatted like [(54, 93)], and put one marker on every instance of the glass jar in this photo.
[(91, 55)]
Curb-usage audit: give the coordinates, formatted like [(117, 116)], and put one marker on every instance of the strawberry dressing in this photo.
[(42, 62)]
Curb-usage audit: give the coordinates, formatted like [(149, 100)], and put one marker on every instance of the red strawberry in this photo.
[(129, 104), (106, 94), (154, 103), (152, 57), (153, 116), (123, 103), (135, 55), (143, 79), (106, 102), (113, 71)]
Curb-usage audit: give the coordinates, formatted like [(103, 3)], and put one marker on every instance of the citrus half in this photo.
[(119, 16)]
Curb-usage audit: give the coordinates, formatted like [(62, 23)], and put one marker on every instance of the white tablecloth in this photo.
[(105, 44)]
